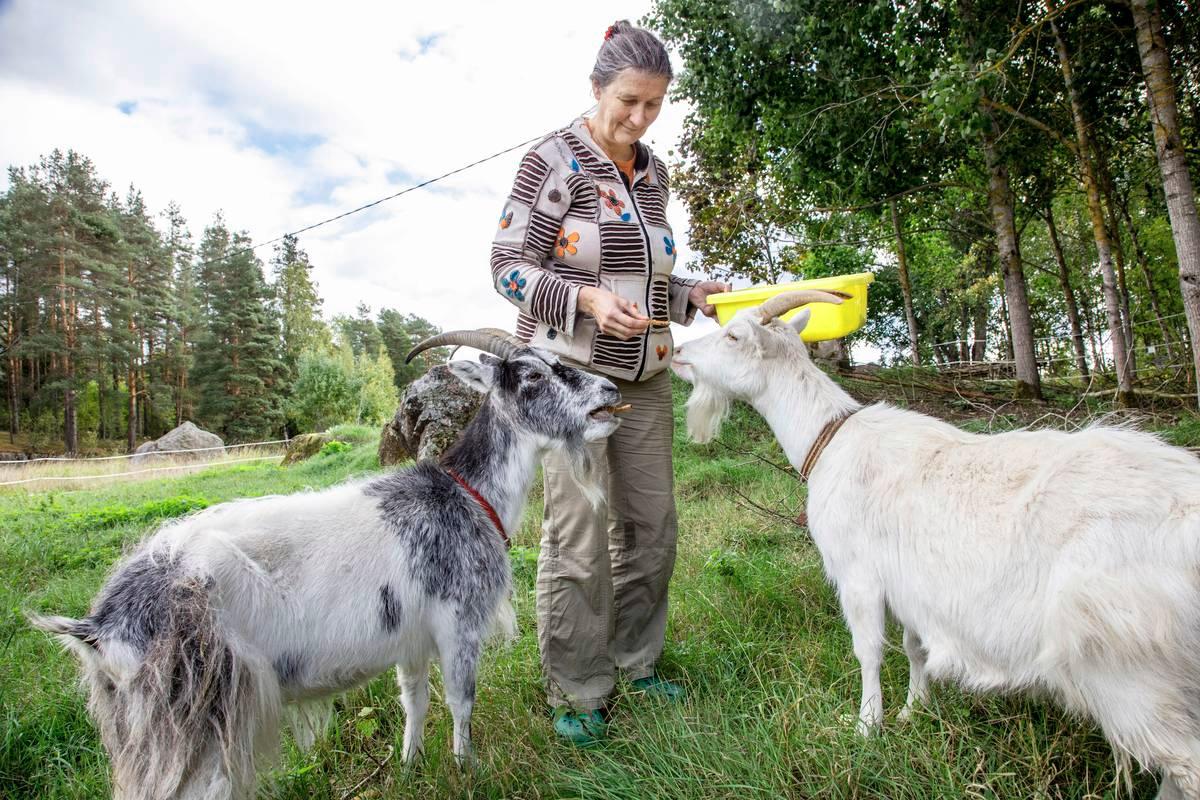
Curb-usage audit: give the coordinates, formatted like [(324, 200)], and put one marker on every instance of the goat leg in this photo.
[(864, 611), (918, 685), (459, 654), (414, 696)]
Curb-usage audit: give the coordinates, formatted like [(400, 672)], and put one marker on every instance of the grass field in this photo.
[(755, 634)]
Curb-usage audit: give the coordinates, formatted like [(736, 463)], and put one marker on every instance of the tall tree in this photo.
[(1086, 154), (183, 321), (400, 333), (301, 326), (1172, 162), (238, 367)]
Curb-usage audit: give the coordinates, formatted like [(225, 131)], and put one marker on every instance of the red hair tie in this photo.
[(608, 34)]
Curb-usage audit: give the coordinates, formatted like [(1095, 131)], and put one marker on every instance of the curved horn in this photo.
[(485, 340), (505, 335), (783, 303)]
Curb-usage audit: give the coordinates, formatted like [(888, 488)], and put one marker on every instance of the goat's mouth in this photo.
[(607, 413)]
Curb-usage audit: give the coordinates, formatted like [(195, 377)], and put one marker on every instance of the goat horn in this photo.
[(783, 303), (491, 341), (503, 334)]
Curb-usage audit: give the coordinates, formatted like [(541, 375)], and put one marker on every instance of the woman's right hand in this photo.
[(614, 314)]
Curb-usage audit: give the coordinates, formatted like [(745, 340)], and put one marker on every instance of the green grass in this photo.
[(755, 634)]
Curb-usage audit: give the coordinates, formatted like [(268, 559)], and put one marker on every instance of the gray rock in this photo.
[(186, 437), (831, 354), (433, 411), (305, 445)]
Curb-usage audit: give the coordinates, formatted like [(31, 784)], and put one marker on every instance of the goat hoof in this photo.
[(905, 714), (864, 728)]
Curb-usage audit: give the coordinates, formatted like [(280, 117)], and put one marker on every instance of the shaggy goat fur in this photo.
[(1067, 563), (204, 633)]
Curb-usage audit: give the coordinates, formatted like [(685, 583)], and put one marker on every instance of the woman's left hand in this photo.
[(698, 296)]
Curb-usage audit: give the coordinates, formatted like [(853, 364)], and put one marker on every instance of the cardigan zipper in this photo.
[(649, 281)]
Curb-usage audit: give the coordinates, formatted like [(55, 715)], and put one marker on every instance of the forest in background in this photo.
[(116, 326), (1017, 174)]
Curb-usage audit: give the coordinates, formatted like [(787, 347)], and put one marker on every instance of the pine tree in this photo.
[(238, 367), (359, 332), (183, 316), (400, 333), (299, 304), (147, 298)]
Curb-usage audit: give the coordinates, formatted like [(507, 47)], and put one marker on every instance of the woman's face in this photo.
[(627, 106)]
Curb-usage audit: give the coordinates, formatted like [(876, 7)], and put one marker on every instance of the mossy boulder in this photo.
[(306, 445)]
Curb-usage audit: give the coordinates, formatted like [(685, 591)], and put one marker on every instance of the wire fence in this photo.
[(92, 459), (53, 470)]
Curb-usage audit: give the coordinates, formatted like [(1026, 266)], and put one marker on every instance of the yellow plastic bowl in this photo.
[(828, 321)]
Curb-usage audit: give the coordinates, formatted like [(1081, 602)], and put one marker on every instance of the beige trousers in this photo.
[(602, 576)]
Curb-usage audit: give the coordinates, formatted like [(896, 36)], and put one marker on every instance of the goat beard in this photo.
[(706, 410), (584, 473)]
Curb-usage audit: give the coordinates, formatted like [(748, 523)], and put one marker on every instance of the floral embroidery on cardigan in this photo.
[(506, 218), (514, 286), (566, 243), (613, 204)]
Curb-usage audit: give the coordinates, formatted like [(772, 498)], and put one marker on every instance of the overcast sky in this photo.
[(283, 114)]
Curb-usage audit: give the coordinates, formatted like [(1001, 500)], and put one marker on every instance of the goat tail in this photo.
[(191, 715), (198, 696)]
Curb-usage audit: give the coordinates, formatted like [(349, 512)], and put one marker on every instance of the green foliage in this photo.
[(334, 447), (336, 387), (755, 634), (812, 117), (301, 326), (400, 333), (238, 365), (355, 434)]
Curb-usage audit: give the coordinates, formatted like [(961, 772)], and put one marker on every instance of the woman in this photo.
[(585, 251)]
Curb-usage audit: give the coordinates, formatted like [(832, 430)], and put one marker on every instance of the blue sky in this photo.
[(283, 119)]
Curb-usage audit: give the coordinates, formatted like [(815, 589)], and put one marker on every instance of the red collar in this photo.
[(483, 503)]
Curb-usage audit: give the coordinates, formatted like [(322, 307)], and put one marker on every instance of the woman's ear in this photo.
[(596, 90)]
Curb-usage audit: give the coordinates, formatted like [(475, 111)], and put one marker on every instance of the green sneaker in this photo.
[(657, 687), (580, 728)]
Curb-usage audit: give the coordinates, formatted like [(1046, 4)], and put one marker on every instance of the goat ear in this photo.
[(799, 322), (479, 377)]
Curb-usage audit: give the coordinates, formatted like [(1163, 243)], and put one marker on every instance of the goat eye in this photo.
[(535, 377), (731, 337)]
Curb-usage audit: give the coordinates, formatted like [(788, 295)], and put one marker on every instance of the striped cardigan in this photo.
[(571, 221)]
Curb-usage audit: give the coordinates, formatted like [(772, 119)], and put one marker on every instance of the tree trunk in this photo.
[(964, 331), (979, 345), (131, 382), (132, 427), (70, 434), (1172, 163), (1087, 173), (1108, 194), (905, 285), (14, 364), (1064, 278), (1144, 267), (983, 310), (1000, 199)]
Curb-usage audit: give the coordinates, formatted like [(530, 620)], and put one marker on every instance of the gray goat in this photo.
[(214, 624)]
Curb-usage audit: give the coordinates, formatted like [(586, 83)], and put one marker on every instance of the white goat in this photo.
[(1061, 562), (201, 636)]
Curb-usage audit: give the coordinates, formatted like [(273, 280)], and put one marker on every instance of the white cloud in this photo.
[(283, 114)]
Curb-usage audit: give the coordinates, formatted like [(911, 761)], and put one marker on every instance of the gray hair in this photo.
[(627, 47)]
